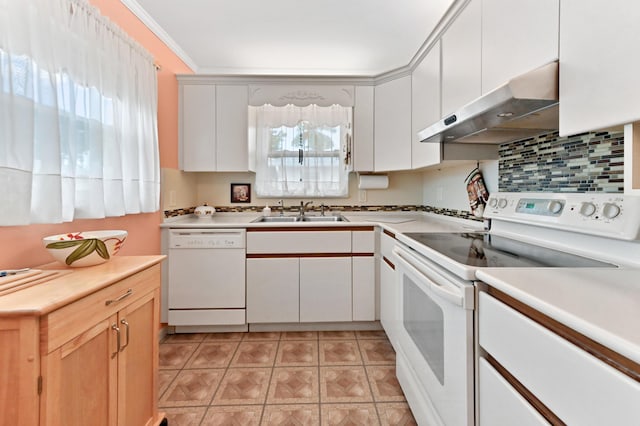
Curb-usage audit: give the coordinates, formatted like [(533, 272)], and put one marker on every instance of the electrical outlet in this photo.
[(172, 198), (362, 195)]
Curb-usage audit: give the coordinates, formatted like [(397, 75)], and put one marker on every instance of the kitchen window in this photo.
[(78, 122), (302, 151)]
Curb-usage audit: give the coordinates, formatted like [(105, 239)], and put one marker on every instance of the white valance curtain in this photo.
[(302, 151), (78, 115)]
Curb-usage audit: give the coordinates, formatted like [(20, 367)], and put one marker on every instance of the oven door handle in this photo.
[(406, 260)]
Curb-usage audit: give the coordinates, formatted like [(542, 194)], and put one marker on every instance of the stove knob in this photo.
[(587, 209), (610, 210), (555, 207), (502, 203), (493, 203)]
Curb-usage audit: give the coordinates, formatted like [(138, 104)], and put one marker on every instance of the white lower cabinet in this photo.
[(273, 290), (297, 275), (500, 403), (325, 289), (575, 386)]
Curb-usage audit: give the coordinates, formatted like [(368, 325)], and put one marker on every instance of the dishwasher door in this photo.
[(207, 277)]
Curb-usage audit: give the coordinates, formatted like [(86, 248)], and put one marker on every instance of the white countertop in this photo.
[(601, 303), (396, 222)]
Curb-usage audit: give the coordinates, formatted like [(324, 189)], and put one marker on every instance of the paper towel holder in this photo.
[(373, 181)]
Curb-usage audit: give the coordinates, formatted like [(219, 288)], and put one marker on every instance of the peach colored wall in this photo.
[(21, 246)]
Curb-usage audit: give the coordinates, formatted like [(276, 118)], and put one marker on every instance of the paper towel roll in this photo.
[(373, 182)]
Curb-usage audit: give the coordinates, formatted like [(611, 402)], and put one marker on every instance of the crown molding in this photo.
[(151, 23)]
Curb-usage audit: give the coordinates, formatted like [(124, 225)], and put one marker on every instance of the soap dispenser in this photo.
[(266, 211)]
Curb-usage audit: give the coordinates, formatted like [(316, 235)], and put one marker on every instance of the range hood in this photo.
[(523, 107)]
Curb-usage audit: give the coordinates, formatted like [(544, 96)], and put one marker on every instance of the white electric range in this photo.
[(436, 274)]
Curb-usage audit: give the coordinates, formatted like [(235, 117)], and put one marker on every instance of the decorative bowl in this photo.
[(85, 248), (204, 211)]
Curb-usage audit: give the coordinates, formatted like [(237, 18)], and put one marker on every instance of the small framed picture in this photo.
[(240, 192)]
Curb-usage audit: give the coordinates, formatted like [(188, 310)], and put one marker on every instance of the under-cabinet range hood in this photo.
[(523, 107)]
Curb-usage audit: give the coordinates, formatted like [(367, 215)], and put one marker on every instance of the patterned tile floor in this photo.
[(288, 378)]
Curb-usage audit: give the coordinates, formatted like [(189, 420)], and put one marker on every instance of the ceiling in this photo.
[(292, 37)]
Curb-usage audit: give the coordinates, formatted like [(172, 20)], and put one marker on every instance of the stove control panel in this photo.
[(612, 215)]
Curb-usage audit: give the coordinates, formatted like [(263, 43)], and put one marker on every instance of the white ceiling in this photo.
[(293, 37)]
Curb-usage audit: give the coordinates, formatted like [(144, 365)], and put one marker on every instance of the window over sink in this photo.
[(301, 151)]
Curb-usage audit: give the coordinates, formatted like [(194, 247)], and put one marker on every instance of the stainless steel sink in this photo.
[(335, 218), (271, 219), (288, 219)]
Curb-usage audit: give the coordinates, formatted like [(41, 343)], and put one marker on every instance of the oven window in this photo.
[(423, 319)]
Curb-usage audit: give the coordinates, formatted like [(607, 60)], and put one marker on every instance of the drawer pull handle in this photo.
[(115, 328), (124, 296), (126, 333)]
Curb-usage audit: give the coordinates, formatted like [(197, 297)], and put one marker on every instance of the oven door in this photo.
[(435, 341)]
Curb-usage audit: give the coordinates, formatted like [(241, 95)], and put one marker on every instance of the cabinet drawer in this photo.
[(363, 241), (65, 323), (299, 242), (577, 387), (500, 403), (387, 242)]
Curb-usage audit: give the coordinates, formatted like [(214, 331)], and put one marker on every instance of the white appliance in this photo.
[(436, 272), (207, 279)]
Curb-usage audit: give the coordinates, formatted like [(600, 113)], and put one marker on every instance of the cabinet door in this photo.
[(461, 59), (425, 101), (364, 288), (19, 370), (388, 299), (392, 145), (325, 289), (198, 128), (599, 66), (363, 129), (80, 379), (138, 361), (517, 36), (232, 110), (273, 290)]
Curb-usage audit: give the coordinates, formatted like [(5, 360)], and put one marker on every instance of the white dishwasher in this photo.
[(207, 279)]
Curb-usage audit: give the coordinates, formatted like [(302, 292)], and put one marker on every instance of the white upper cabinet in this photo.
[(425, 110), (231, 128), (363, 129), (461, 60), (213, 128), (517, 36), (392, 118), (599, 64)]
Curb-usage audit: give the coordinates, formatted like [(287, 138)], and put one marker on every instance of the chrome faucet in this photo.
[(322, 207), (281, 204), (303, 206)]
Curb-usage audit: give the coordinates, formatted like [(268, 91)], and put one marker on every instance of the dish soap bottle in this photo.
[(266, 211)]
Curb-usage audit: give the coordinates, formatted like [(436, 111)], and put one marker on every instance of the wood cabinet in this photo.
[(310, 274), (85, 346), (599, 65), (425, 108), (461, 59), (517, 37), (392, 119), (213, 122)]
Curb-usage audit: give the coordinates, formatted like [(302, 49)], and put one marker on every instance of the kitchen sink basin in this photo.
[(271, 219), (288, 219), (335, 218)]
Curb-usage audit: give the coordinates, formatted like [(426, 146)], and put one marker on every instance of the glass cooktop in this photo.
[(481, 249)]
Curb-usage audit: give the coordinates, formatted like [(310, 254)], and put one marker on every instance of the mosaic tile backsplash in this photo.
[(580, 163)]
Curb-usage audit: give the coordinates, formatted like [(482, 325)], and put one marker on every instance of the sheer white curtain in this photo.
[(78, 116), (302, 151)]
